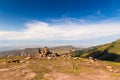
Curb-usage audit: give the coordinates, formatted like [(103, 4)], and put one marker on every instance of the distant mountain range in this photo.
[(17, 47), (110, 51), (64, 49), (22, 51)]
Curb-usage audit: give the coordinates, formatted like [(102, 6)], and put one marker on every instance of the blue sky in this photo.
[(77, 22)]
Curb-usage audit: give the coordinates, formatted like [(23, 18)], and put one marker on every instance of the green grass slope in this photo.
[(110, 51)]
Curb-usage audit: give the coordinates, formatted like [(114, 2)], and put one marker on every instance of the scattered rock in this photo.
[(91, 61), (26, 71), (27, 62), (14, 61), (75, 58), (47, 75), (17, 75), (30, 75), (49, 58), (51, 79), (22, 61), (64, 56), (91, 58), (116, 71), (95, 59), (97, 64), (4, 70), (27, 58), (4, 62), (108, 67), (111, 70)]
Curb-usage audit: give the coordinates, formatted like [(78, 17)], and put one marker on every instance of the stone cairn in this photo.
[(92, 59), (70, 54), (45, 53)]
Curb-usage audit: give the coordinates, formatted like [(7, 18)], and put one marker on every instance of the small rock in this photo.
[(17, 74), (95, 59), (14, 61), (49, 58), (26, 71), (75, 58), (47, 75), (51, 79), (116, 71), (91, 61), (27, 58), (4, 62), (97, 64), (27, 62), (63, 55), (108, 67), (30, 75), (22, 61), (111, 70), (4, 69), (91, 57)]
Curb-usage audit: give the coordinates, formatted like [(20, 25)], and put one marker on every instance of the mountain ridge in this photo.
[(32, 51)]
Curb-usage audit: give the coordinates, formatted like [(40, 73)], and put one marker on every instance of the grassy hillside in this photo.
[(110, 51), (115, 47)]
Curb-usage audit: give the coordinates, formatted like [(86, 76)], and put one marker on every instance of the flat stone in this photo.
[(49, 58), (4, 62), (30, 75), (22, 61), (75, 58), (116, 71), (27, 58), (109, 67), (4, 69), (111, 70)]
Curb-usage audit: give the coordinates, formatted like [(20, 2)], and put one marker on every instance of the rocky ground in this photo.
[(58, 69)]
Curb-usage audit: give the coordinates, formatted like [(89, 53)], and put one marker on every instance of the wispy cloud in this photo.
[(38, 30), (99, 13), (68, 20)]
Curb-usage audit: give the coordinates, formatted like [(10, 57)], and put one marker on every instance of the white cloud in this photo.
[(72, 31)]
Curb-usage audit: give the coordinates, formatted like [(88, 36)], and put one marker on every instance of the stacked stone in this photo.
[(45, 52), (70, 53)]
